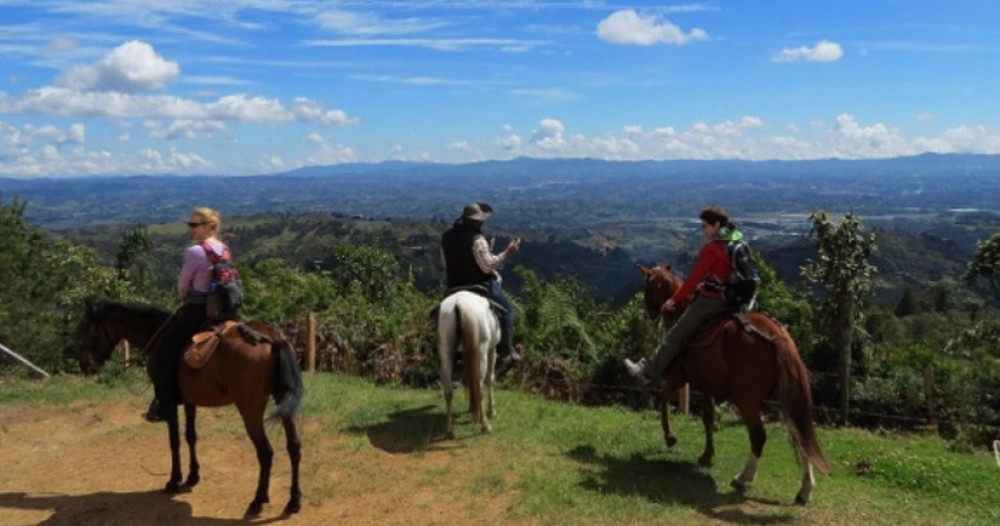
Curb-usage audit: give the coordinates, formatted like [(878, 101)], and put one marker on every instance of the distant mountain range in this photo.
[(533, 193)]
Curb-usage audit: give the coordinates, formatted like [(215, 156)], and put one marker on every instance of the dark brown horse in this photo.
[(741, 364), (251, 363)]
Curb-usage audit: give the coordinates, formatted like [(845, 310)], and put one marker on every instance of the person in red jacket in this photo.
[(706, 282)]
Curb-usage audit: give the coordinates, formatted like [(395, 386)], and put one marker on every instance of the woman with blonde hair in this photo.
[(194, 286)]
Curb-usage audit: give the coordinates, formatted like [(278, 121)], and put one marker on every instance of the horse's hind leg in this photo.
[(253, 421), (491, 359), (708, 420), (447, 388), (808, 481), (755, 428), (191, 435), (294, 446)]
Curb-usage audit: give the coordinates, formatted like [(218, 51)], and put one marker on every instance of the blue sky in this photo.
[(262, 86)]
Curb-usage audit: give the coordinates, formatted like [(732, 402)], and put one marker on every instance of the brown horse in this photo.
[(741, 364), (251, 363)]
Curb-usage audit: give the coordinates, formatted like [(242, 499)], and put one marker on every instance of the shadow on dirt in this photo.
[(148, 507), (671, 482)]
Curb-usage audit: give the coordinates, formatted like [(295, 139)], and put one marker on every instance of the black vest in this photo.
[(460, 263)]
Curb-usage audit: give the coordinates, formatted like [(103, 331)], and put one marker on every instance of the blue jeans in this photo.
[(498, 295)]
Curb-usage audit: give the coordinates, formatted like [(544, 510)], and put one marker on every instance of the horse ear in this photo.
[(645, 270), (668, 267)]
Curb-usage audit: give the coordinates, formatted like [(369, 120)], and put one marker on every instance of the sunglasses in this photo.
[(195, 225)]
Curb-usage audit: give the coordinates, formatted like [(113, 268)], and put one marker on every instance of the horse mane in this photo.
[(144, 309)]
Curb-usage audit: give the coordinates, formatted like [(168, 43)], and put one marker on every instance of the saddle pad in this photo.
[(203, 345), (706, 335)]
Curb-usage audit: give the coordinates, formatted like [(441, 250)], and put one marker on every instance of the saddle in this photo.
[(481, 290), (203, 344), (710, 331)]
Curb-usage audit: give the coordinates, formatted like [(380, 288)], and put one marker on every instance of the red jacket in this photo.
[(712, 263)]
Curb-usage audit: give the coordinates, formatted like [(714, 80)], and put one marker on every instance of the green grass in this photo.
[(565, 464)]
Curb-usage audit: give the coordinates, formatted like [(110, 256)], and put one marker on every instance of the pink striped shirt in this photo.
[(196, 272)]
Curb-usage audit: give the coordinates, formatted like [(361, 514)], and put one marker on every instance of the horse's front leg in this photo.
[(708, 419), (191, 434), (667, 391), (173, 434)]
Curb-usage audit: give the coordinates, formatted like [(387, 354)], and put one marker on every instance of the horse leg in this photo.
[(708, 420), (294, 446), (485, 387), (663, 400), (253, 422), (173, 433), (191, 435), (755, 428), (491, 362), (808, 481)]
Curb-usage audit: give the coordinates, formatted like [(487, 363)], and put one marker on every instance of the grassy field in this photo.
[(564, 464)]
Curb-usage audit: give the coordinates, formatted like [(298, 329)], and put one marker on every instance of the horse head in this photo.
[(96, 337), (659, 284)]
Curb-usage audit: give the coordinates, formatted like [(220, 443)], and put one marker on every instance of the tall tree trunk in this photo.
[(843, 338)]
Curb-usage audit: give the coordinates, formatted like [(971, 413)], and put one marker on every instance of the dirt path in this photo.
[(99, 464)]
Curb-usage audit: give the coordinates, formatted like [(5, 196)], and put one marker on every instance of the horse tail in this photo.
[(469, 334), (288, 387), (796, 400)]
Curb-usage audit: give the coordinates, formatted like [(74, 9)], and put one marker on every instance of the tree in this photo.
[(133, 258), (985, 264), (843, 275)]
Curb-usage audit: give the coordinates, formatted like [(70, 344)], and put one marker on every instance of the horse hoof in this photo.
[(174, 487), (800, 500), (293, 507), (487, 430), (671, 441), (192, 481), (738, 485), (705, 461), (254, 510), (449, 435)]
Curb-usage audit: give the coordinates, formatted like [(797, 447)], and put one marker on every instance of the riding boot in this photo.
[(506, 347), (153, 413)]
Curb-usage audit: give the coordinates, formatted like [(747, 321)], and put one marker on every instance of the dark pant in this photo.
[(701, 310), (164, 352)]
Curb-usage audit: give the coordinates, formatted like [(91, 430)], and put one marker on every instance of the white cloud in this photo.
[(356, 23), (823, 51), (628, 27), (547, 95), (439, 44), (549, 135), (183, 128), (238, 107), (131, 67), (328, 151)]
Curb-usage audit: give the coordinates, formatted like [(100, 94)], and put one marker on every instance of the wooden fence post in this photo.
[(311, 343), (684, 399), (127, 349)]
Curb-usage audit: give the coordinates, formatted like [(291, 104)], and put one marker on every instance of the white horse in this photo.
[(465, 318)]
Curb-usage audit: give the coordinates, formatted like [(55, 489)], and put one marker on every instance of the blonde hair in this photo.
[(209, 216)]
